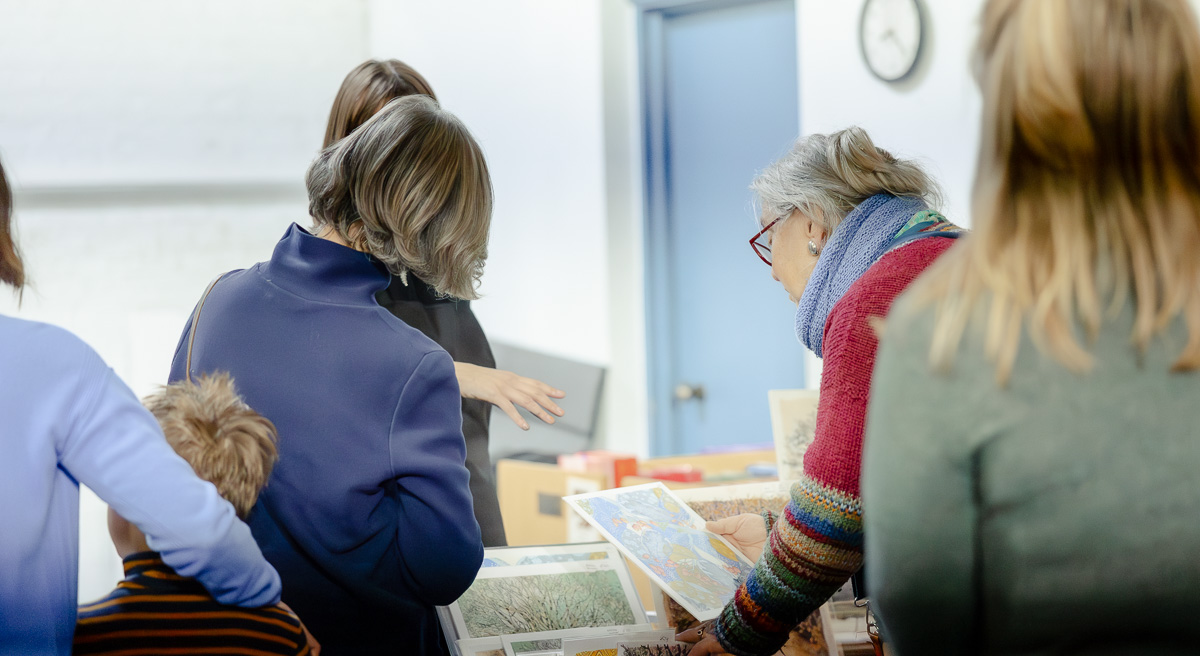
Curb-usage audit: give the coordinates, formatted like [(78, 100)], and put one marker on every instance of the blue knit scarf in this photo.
[(859, 241)]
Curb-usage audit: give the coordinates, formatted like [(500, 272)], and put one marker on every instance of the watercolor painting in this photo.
[(653, 649), (668, 541), (547, 598), (559, 553), (794, 425)]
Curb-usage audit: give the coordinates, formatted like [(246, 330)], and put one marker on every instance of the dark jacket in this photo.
[(452, 324), (367, 515)]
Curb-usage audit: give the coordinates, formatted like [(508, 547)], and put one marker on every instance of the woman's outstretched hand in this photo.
[(506, 390), (747, 532)]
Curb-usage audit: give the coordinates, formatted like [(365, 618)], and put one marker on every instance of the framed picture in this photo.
[(547, 597), (528, 644), (559, 553), (721, 501), (607, 645), (668, 541), (793, 425), (479, 647), (653, 649)]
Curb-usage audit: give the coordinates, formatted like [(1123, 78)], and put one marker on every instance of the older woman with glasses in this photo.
[(845, 227)]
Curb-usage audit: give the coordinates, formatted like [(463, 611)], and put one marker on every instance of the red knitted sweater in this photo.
[(835, 456), (816, 545)]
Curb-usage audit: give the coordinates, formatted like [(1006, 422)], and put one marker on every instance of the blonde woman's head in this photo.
[(1089, 162), (410, 187)]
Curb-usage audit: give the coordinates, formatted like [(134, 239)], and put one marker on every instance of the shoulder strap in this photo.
[(196, 319)]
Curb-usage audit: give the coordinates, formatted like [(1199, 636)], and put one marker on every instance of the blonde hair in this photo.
[(410, 187), (367, 89), (825, 176), (224, 441), (1088, 183)]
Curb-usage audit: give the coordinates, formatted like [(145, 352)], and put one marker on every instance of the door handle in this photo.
[(685, 392)]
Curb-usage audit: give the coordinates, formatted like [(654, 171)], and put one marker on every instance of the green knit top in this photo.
[(1058, 514)]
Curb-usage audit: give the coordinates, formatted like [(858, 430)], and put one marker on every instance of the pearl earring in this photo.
[(812, 248), (404, 276)]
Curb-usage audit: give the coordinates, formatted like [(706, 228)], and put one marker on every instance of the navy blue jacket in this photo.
[(367, 515)]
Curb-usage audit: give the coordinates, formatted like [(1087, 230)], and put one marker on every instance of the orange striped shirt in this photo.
[(156, 611)]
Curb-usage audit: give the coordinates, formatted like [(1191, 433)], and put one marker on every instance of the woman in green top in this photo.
[(1030, 481)]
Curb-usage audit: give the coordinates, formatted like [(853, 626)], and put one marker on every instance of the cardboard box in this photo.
[(531, 503)]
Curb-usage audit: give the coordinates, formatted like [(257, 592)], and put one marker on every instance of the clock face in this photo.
[(891, 34)]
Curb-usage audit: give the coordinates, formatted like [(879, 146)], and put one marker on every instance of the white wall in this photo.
[(153, 145), (932, 116), (525, 76), (549, 90)]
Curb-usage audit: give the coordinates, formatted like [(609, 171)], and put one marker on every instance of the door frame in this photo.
[(659, 323)]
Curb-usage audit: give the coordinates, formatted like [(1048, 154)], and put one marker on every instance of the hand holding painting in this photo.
[(747, 532)]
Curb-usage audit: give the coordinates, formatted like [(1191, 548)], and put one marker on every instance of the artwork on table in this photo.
[(721, 501), (668, 541), (559, 553), (547, 597), (794, 425), (607, 645), (653, 649), (479, 647), (529, 644)]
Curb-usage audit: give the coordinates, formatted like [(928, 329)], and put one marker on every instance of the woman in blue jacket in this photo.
[(65, 418), (368, 514)]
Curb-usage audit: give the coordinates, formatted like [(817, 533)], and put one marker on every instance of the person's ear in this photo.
[(815, 232)]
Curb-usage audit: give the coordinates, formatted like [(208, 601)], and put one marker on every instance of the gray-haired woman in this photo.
[(845, 227)]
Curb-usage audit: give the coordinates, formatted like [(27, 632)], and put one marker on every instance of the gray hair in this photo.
[(825, 176)]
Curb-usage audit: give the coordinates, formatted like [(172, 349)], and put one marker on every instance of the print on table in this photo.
[(545, 598)]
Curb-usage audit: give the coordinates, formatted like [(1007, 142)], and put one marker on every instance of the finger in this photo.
[(530, 404), (512, 413), (551, 391), (549, 405), (724, 526), (690, 636)]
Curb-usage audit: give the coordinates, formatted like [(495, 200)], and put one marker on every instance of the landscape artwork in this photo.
[(668, 541), (559, 553), (479, 647), (653, 649), (794, 426), (607, 645), (721, 501), (529, 644), (549, 597)]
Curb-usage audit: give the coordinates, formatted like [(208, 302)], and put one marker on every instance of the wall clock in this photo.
[(891, 34)]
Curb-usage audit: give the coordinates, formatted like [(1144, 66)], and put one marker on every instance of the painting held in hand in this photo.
[(668, 541)]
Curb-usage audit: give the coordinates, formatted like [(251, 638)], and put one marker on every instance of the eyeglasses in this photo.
[(762, 250)]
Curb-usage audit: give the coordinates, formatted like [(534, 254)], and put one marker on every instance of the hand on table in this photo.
[(747, 532), (702, 641), (506, 390)]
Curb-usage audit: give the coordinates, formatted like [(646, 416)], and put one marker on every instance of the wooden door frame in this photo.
[(659, 328)]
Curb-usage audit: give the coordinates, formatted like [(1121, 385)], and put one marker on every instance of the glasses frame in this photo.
[(759, 248)]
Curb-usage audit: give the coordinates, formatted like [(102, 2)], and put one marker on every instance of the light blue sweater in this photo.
[(65, 419)]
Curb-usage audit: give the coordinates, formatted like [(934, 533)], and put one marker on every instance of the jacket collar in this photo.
[(320, 270)]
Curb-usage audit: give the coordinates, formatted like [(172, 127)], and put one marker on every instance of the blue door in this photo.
[(721, 104)]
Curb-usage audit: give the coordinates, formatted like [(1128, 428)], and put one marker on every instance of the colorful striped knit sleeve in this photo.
[(814, 549), (816, 546)]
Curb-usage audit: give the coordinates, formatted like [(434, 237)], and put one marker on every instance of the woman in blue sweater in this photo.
[(65, 418), (368, 514)]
